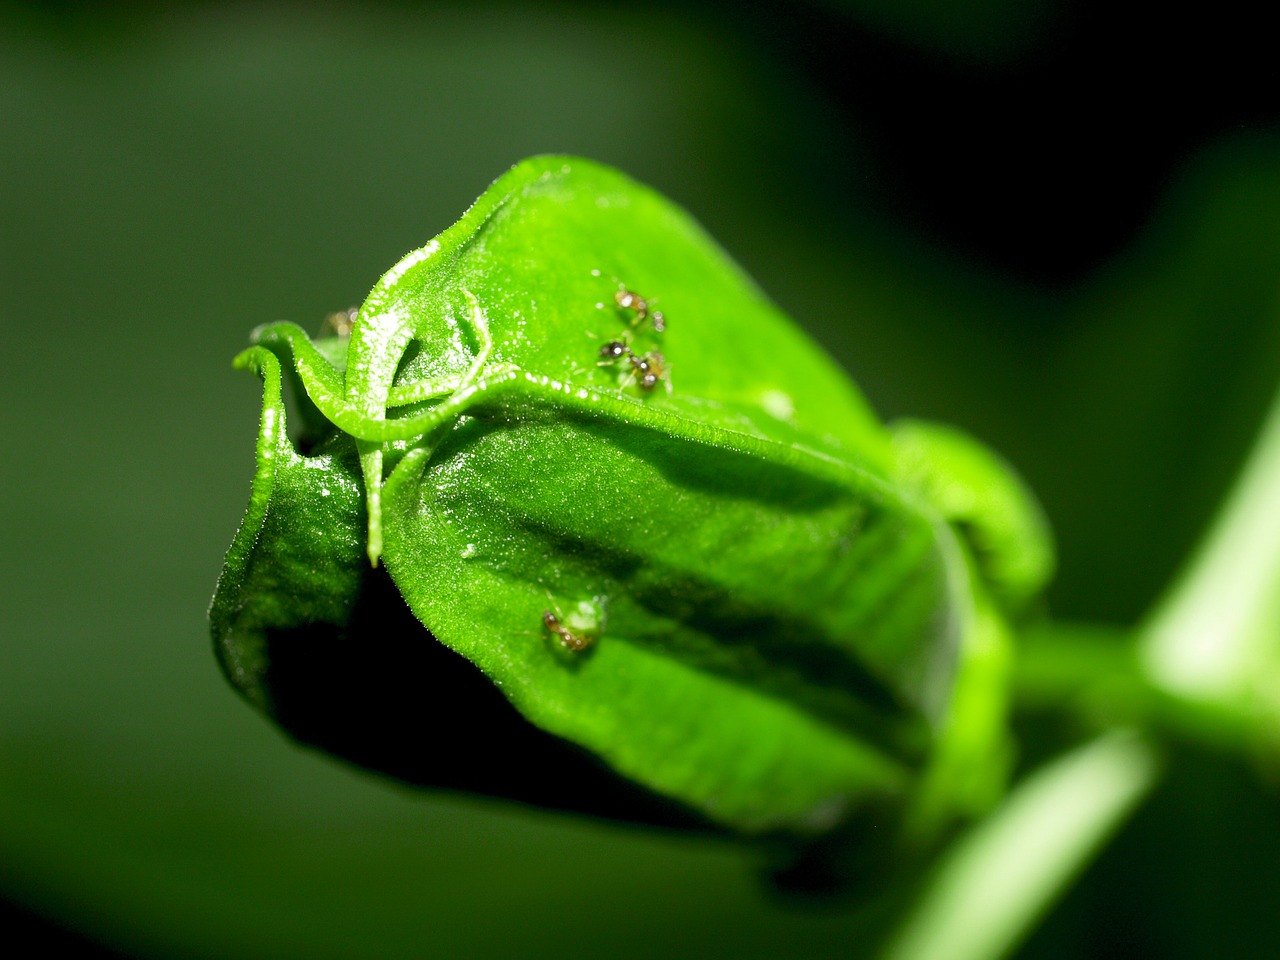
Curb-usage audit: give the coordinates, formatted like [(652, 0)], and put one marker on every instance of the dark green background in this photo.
[(1056, 225)]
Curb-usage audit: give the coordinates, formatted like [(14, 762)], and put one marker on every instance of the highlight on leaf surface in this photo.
[(619, 488)]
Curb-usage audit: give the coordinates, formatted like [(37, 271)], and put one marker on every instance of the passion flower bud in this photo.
[(653, 533)]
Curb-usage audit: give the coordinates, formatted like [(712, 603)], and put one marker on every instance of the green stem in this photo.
[(1097, 675), (1000, 878), (1214, 637), (1206, 664)]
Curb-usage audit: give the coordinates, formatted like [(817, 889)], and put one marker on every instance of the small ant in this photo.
[(628, 300), (340, 322), (574, 642), (648, 369)]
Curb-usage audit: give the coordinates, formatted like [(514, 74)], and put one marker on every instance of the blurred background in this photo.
[(1056, 224)]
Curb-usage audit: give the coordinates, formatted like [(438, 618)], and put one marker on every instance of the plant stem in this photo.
[(1215, 636), (1096, 675), (998, 879)]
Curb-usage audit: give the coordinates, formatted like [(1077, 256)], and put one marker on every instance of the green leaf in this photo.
[(604, 469), (295, 561), (724, 669), (327, 648)]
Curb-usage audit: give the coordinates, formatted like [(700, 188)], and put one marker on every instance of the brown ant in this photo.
[(574, 642), (648, 369), (629, 300), (339, 323)]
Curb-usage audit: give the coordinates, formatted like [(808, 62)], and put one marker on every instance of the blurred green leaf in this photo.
[(983, 31)]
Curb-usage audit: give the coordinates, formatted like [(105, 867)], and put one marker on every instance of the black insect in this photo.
[(614, 350), (648, 369)]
